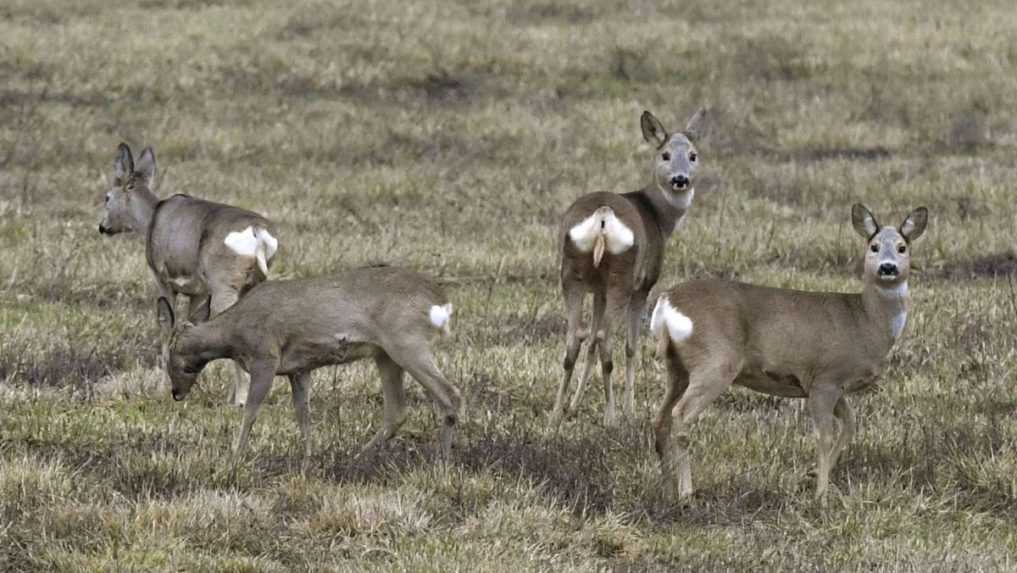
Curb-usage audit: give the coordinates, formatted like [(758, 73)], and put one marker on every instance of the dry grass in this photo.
[(448, 136)]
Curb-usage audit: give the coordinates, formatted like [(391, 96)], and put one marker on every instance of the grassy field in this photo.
[(449, 136)]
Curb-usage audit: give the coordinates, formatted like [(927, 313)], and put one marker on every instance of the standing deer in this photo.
[(209, 252), (814, 345), (293, 327), (613, 246)]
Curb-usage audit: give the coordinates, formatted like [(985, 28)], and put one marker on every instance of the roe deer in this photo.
[(209, 252), (814, 345), (613, 246), (293, 327)]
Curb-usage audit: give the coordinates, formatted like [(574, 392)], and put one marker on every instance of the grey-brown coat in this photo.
[(814, 345), (612, 245), (293, 327), (209, 252)]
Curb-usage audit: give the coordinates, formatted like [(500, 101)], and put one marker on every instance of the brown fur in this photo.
[(184, 242), (814, 345), (291, 328), (620, 283)]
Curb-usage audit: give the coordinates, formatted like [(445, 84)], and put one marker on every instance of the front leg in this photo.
[(221, 299), (262, 373), (299, 384), (821, 402)]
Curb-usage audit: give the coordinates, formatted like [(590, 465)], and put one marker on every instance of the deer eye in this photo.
[(693, 157), (666, 156), (874, 248), (106, 200), (901, 249)]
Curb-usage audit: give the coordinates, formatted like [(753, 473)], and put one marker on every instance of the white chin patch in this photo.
[(243, 243), (681, 199), (440, 316), (603, 221), (679, 326), (897, 291)]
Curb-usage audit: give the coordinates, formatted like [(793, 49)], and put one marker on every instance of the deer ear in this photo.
[(146, 165), (164, 311), (694, 127), (123, 165), (914, 224), (653, 131), (864, 221)]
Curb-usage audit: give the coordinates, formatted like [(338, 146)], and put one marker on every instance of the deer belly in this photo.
[(772, 383), (328, 352)]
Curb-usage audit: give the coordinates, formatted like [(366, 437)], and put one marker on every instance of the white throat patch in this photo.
[(604, 222), (679, 326), (899, 319)]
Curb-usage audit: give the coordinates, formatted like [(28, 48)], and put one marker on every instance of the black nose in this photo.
[(679, 181), (177, 396), (102, 230), (887, 269)]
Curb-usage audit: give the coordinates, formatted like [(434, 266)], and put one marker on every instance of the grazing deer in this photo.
[(613, 246), (293, 327), (814, 345), (209, 252)]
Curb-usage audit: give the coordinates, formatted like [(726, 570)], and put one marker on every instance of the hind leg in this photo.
[(676, 380), (418, 360), (395, 401), (573, 341), (633, 318), (599, 303), (706, 382)]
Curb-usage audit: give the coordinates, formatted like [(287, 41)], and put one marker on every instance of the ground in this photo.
[(449, 137)]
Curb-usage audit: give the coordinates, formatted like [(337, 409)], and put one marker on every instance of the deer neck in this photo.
[(143, 206), (204, 343), (667, 208), (887, 307)]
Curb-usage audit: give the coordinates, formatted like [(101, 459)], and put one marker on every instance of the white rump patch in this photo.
[(440, 316), (679, 326), (243, 243), (604, 222), (252, 242), (270, 243)]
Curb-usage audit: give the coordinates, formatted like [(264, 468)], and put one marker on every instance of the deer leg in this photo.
[(198, 308), (165, 330), (705, 384), (822, 402), (634, 317), (261, 382), (299, 385), (843, 412), (221, 300), (617, 304), (677, 381), (599, 302), (419, 362), (395, 401), (573, 340)]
